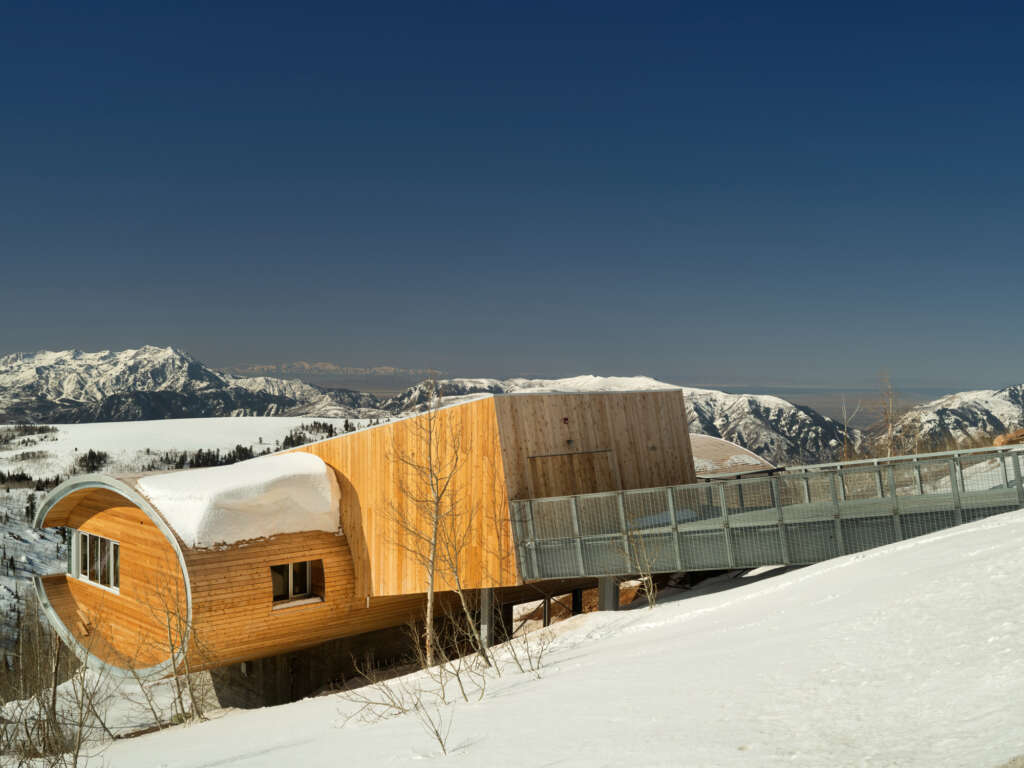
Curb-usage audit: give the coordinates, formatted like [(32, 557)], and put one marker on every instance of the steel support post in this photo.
[(608, 593), (487, 617), (725, 526), (576, 535), (577, 602), (626, 555), (835, 515), (533, 540), (954, 487), (897, 523), (917, 477), (675, 528), (1017, 478), (783, 541)]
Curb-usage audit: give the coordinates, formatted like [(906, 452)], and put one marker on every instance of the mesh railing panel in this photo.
[(794, 517), (599, 514)]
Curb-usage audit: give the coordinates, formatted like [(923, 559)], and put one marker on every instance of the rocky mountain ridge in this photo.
[(162, 382)]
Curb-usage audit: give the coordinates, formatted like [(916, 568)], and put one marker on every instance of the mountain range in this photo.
[(162, 382)]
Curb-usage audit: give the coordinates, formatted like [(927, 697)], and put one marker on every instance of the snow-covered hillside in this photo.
[(962, 419), (135, 446), (906, 655)]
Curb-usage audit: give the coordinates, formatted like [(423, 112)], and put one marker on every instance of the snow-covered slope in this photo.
[(137, 446), (962, 419), (906, 655)]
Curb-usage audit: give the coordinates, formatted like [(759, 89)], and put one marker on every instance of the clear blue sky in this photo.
[(728, 193)]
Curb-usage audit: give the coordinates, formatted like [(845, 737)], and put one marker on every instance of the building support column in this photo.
[(608, 593), (577, 602), (547, 610), (487, 617)]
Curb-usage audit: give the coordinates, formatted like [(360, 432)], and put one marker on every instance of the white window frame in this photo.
[(75, 569)]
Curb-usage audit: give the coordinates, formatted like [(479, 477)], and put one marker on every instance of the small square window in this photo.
[(297, 581)]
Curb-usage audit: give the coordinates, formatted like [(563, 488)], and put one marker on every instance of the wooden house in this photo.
[(208, 567)]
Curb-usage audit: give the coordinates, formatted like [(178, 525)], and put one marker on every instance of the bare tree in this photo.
[(426, 463), (889, 412), (847, 418)]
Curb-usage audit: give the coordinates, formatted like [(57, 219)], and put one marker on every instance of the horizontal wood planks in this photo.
[(378, 488), (645, 434), (235, 615)]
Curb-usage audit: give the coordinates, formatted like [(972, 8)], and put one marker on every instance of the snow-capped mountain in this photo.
[(777, 430), (962, 419), (145, 383), (159, 383)]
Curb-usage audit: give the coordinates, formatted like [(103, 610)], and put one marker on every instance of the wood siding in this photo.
[(235, 616), (131, 624), (644, 433), (376, 488)]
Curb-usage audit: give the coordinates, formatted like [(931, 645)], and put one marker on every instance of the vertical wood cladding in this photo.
[(376, 487), (644, 434)]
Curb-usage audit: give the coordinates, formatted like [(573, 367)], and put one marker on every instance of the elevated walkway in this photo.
[(799, 516)]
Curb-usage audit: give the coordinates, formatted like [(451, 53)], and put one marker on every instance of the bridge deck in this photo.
[(796, 517)]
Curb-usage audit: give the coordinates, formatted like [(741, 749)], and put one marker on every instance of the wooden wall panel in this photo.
[(374, 485), (235, 615), (129, 625), (645, 432)]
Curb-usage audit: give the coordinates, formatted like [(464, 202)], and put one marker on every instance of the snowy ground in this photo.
[(906, 655), (133, 444)]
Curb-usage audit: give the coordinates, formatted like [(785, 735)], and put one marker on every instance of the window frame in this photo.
[(81, 549), (309, 597)]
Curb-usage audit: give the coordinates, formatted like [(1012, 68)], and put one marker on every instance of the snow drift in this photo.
[(254, 499)]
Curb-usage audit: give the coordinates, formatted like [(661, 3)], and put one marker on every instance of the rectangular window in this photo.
[(95, 559), (303, 580)]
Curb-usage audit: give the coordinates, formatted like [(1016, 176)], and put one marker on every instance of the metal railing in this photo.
[(799, 516)]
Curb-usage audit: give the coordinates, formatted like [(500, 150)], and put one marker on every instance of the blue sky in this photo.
[(733, 194)]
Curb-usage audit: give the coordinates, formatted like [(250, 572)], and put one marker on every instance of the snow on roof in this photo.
[(713, 455), (587, 383), (254, 499)]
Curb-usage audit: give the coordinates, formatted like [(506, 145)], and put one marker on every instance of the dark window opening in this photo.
[(297, 581)]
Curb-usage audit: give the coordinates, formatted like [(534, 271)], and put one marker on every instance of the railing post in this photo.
[(576, 533), (897, 522), (1017, 478), (835, 516), (533, 540), (958, 512), (1006, 475), (730, 556), (960, 469), (675, 529), (807, 488), (878, 481), (842, 483), (627, 556), (783, 542), (917, 477)]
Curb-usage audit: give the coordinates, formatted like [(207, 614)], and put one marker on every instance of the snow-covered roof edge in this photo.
[(292, 492)]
